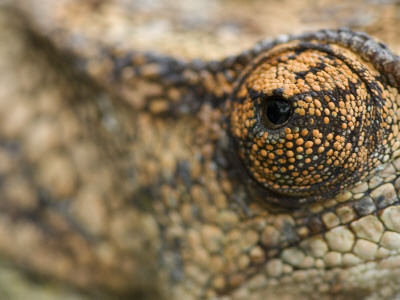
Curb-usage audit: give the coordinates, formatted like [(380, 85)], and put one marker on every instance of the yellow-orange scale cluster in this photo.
[(339, 127)]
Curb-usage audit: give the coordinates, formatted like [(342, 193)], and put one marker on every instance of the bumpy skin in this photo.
[(135, 175)]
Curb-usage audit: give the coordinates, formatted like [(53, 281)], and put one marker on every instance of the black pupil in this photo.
[(277, 111)]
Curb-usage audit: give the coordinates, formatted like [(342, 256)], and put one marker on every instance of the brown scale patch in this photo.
[(338, 129)]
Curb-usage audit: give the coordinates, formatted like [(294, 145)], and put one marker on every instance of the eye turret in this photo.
[(311, 119)]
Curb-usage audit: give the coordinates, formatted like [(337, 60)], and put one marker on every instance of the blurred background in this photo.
[(211, 28)]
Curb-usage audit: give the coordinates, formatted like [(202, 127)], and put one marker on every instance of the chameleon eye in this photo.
[(275, 113), (310, 120)]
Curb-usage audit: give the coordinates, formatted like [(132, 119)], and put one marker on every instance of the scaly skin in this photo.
[(126, 175)]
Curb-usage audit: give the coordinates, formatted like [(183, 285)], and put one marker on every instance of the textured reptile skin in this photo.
[(137, 175)]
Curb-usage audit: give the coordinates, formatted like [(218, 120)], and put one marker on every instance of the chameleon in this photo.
[(271, 174)]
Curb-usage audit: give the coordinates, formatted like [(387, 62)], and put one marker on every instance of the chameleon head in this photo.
[(311, 119)]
